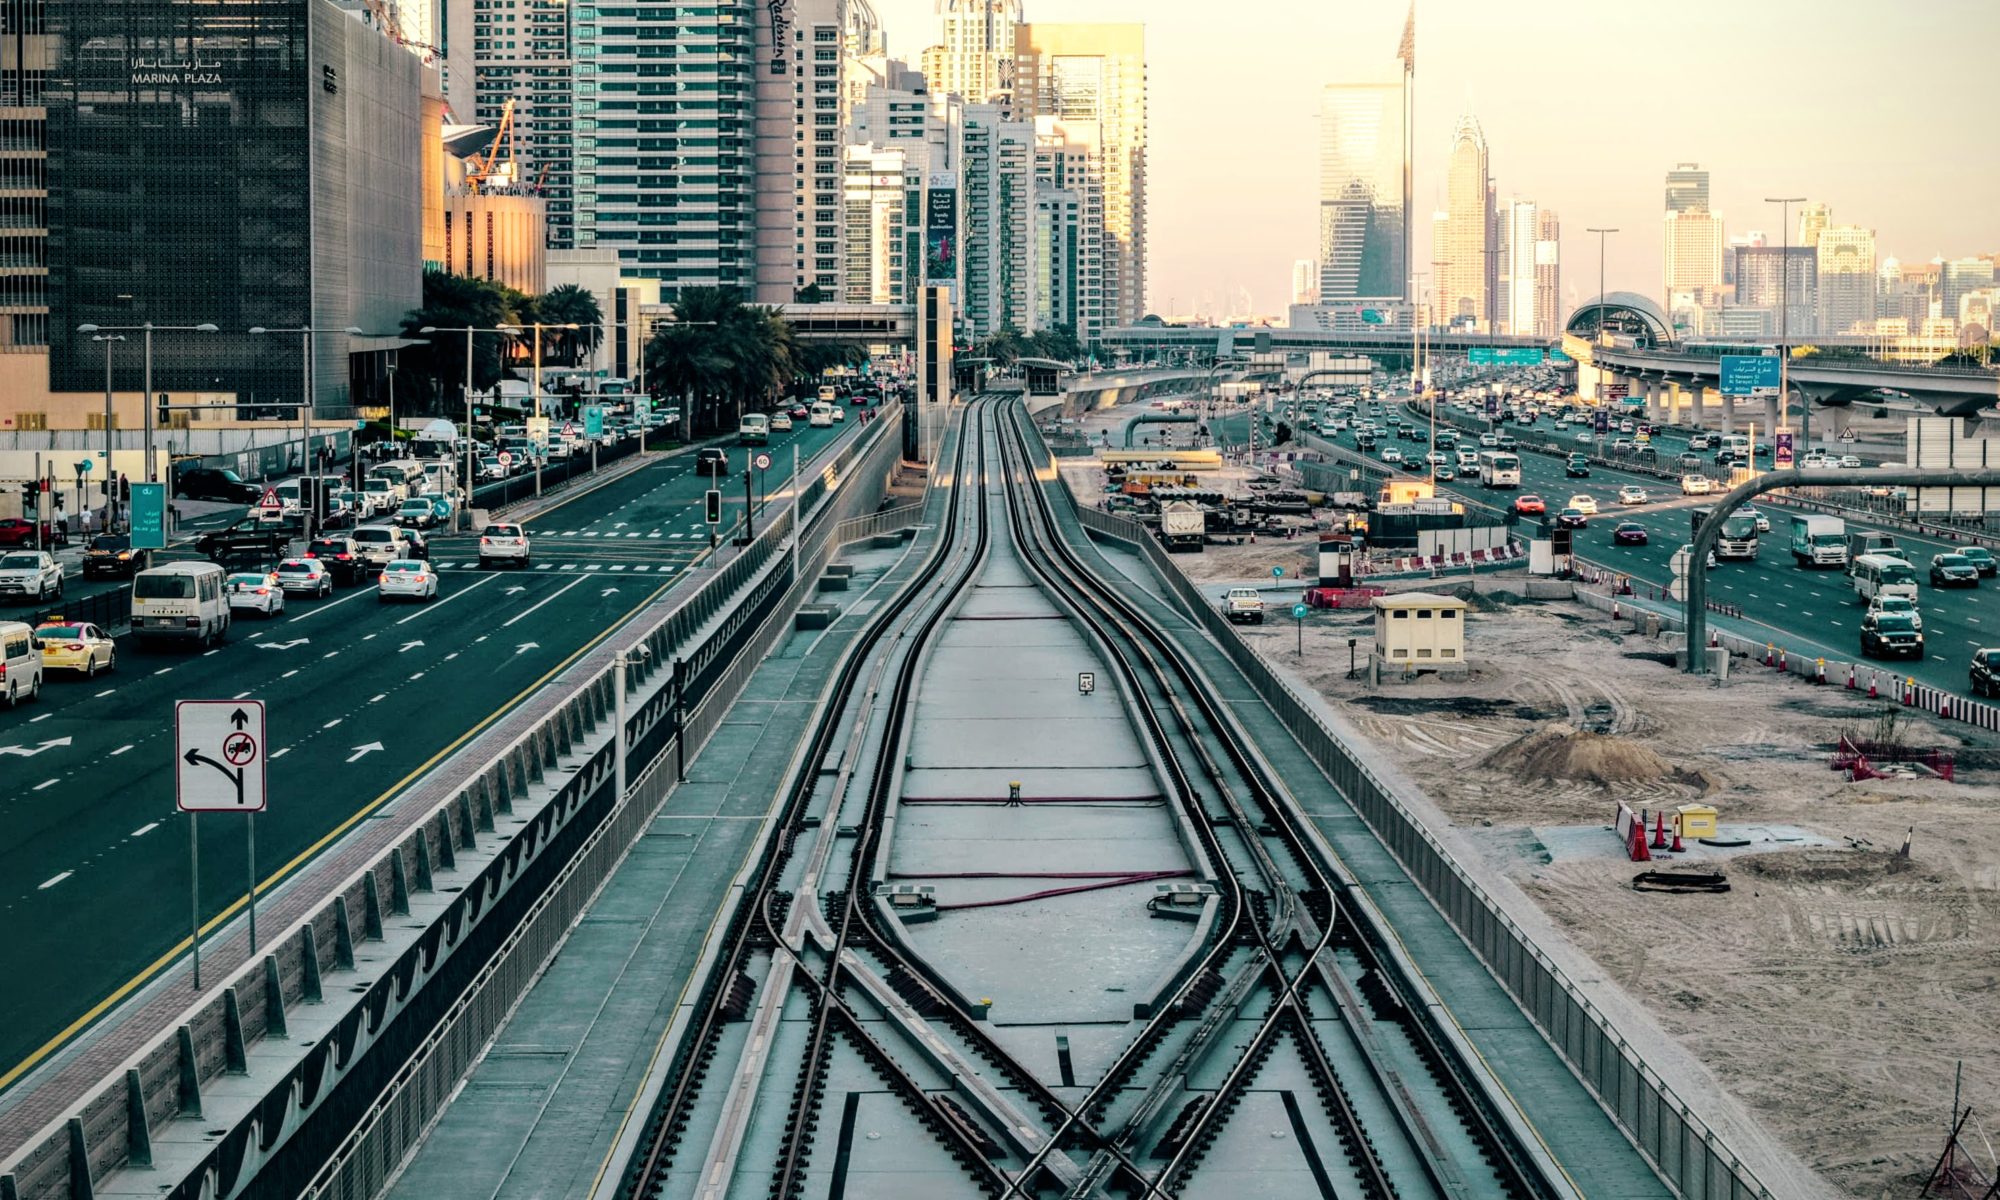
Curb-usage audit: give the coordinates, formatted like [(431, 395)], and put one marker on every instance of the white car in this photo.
[(1699, 441), (1850, 460), (1632, 495), (32, 574), (1696, 485), (1585, 436), (1585, 504), (383, 495), (406, 577), (781, 422), (1763, 522), (258, 591), (379, 545), (839, 414), (1489, 440), (1900, 605), (307, 575), (503, 543), (1392, 455), (1437, 458)]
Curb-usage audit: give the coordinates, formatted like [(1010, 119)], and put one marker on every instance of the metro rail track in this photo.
[(1294, 962)]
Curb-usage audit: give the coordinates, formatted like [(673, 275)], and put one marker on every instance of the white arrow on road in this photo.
[(607, 592), (409, 646), (361, 750), (524, 647), (619, 525), (31, 751), (283, 645), (516, 588)]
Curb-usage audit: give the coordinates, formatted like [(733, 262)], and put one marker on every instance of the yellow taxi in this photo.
[(75, 646)]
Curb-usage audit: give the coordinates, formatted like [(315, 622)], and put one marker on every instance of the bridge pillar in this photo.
[(1656, 409), (1770, 415), (1693, 398), (1728, 410)]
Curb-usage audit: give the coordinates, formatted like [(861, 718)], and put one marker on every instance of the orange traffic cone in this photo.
[(1639, 851), (1659, 831), (1872, 694), (1677, 848), (1850, 677)]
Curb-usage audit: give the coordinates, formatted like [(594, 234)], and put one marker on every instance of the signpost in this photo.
[(219, 755), (1299, 624), (593, 420), (149, 516), (1750, 374), (1505, 356), (1086, 682)]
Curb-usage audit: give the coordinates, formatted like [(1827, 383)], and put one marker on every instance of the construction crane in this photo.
[(494, 172)]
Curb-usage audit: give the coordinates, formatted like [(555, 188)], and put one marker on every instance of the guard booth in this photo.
[(1043, 376), (1417, 633)]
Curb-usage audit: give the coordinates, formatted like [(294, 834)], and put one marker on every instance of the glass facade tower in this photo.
[(1361, 218)]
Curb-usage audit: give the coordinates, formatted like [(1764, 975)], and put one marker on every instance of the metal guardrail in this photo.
[(1689, 1156), (485, 946), (876, 524)]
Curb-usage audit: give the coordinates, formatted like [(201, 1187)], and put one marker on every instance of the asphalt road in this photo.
[(362, 698)]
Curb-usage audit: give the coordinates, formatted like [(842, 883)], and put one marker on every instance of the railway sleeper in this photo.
[(1177, 1130), (736, 1000), (913, 989)]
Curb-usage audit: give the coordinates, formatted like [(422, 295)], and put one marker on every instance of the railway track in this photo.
[(1293, 976)]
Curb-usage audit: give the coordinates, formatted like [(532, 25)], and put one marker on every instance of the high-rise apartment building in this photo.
[(1958, 276), (1846, 279), (1693, 251), (800, 122), (1091, 79), (1464, 280), (975, 59), (879, 241), (1735, 242), (1070, 187), (1305, 281), (1770, 276), (519, 55), (1362, 206), (999, 204), (929, 129), (1514, 301), (1687, 188), (1812, 219), (1549, 315)]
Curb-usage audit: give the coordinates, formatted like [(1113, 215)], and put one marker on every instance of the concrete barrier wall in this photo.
[(1690, 1157), (448, 925)]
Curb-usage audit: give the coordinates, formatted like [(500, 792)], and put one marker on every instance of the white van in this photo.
[(180, 600), (1883, 575), (820, 414), (20, 663)]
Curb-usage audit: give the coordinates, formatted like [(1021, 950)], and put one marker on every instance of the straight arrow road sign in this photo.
[(219, 755), (360, 751), (283, 645), (31, 751), (524, 647), (409, 646)]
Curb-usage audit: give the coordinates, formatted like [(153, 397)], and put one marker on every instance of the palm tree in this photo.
[(456, 302), (572, 304)]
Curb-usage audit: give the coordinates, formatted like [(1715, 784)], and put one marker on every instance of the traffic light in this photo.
[(162, 413), (124, 490), (714, 498)]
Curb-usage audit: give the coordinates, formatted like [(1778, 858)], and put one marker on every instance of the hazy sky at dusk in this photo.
[(1884, 111)]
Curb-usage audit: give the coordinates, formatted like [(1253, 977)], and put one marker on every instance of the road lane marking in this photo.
[(331, 724), (289, 674), (46, 783), (106, 692), (281, 753), (210, 653), (434, 605), (43, 717), (356, 595), (376, 699), (46, 884), (120, 750), (526, 611), (240, 696), (417, 676), (143, 830)]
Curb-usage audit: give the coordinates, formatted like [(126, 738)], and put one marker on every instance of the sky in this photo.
[(1883, 111)]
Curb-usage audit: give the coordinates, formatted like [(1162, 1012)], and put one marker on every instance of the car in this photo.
[(420, 546), (30, 575), (15, 531), (76, 646), (378, 545), (1763, 521), (1889, 635), (340, 557), (1984, 674), (1699, 441), (214, 483), (1587, 505), (407, 577), (1392, 455), (1953, 570), (1688, 549), (417, 511), (1627, 427), (503, 543), (1883, 602), (1850, 460), (839, 414), (308, 576), (711, 460), (112, 554), (1437, 458), (257, 591), (384, 495), (1577, 467), (1444, 473), (1623, 445), (781, 422), (1586, 436), (1530, 505), (1489, 440), (1570, 518), (1696, 485), (799, 412), (490, 467), (1630, 494), (1981, 558), (1628, 533)]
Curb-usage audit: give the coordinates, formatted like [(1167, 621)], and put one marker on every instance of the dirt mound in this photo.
[(1559, 752)]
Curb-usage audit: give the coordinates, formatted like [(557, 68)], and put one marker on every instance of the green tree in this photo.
[(1057, 342), (455, 302), (571, 304), (1004, 347), (811, 293), (722, 355)]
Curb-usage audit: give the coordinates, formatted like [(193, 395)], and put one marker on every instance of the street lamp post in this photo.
[(146, 401), (110, 479), (538, 327), (466, 508), (308, 400), (1785, 324), (1603, 335)]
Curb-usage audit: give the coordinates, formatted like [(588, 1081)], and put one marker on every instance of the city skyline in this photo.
[(1879, 156)]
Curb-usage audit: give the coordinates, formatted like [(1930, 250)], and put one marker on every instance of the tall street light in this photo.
[(308, 401), (110, 480), (468, 331), (1785, 323), (1603, 334), (146, 401)]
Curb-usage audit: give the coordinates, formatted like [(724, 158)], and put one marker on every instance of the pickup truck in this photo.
[(1243, 606), (30, 573)]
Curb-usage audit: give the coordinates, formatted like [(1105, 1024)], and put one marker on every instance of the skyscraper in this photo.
[(1956, 278), (1768, 276), (1846, 279), (1467, 253), (800, 95), (1362, 217), (1693, 251), (975, 59), (1735, 242), (1687, 188), (1092, 80), (1812, 219), (1549, 315), (521, 57), (1514, 303), (1305, 281), (999, 185)]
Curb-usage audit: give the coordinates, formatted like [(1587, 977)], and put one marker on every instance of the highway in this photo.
[(363, 697)]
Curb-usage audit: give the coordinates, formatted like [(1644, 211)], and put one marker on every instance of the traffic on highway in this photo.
[(377, 651)]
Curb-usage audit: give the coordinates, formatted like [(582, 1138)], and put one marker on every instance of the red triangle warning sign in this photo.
[(270, 499)]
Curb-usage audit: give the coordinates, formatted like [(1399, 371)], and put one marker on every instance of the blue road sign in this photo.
[(1750, 374), (593, 420), (1299, 612)]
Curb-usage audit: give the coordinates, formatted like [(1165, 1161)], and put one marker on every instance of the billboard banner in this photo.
[(1750, 374), (941, 230), (1781, 450)]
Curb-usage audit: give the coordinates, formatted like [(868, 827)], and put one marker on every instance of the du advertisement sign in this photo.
[(1781, 449), (941, 230), (1750, 374)]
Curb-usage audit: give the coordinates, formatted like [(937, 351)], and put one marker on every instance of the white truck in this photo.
[(1819, 540), (1243, 606), (1183, 526)]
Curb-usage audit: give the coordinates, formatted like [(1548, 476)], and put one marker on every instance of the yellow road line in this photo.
[(181, 947)]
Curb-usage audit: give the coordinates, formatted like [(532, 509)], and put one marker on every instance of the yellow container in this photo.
[(1695, 820)]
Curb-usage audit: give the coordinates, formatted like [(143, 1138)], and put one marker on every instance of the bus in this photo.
[(1883, 575), (1738, 538), (1499, 469), (754, 429)]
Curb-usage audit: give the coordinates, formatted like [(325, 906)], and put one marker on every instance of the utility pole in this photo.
[(1785, 324)]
